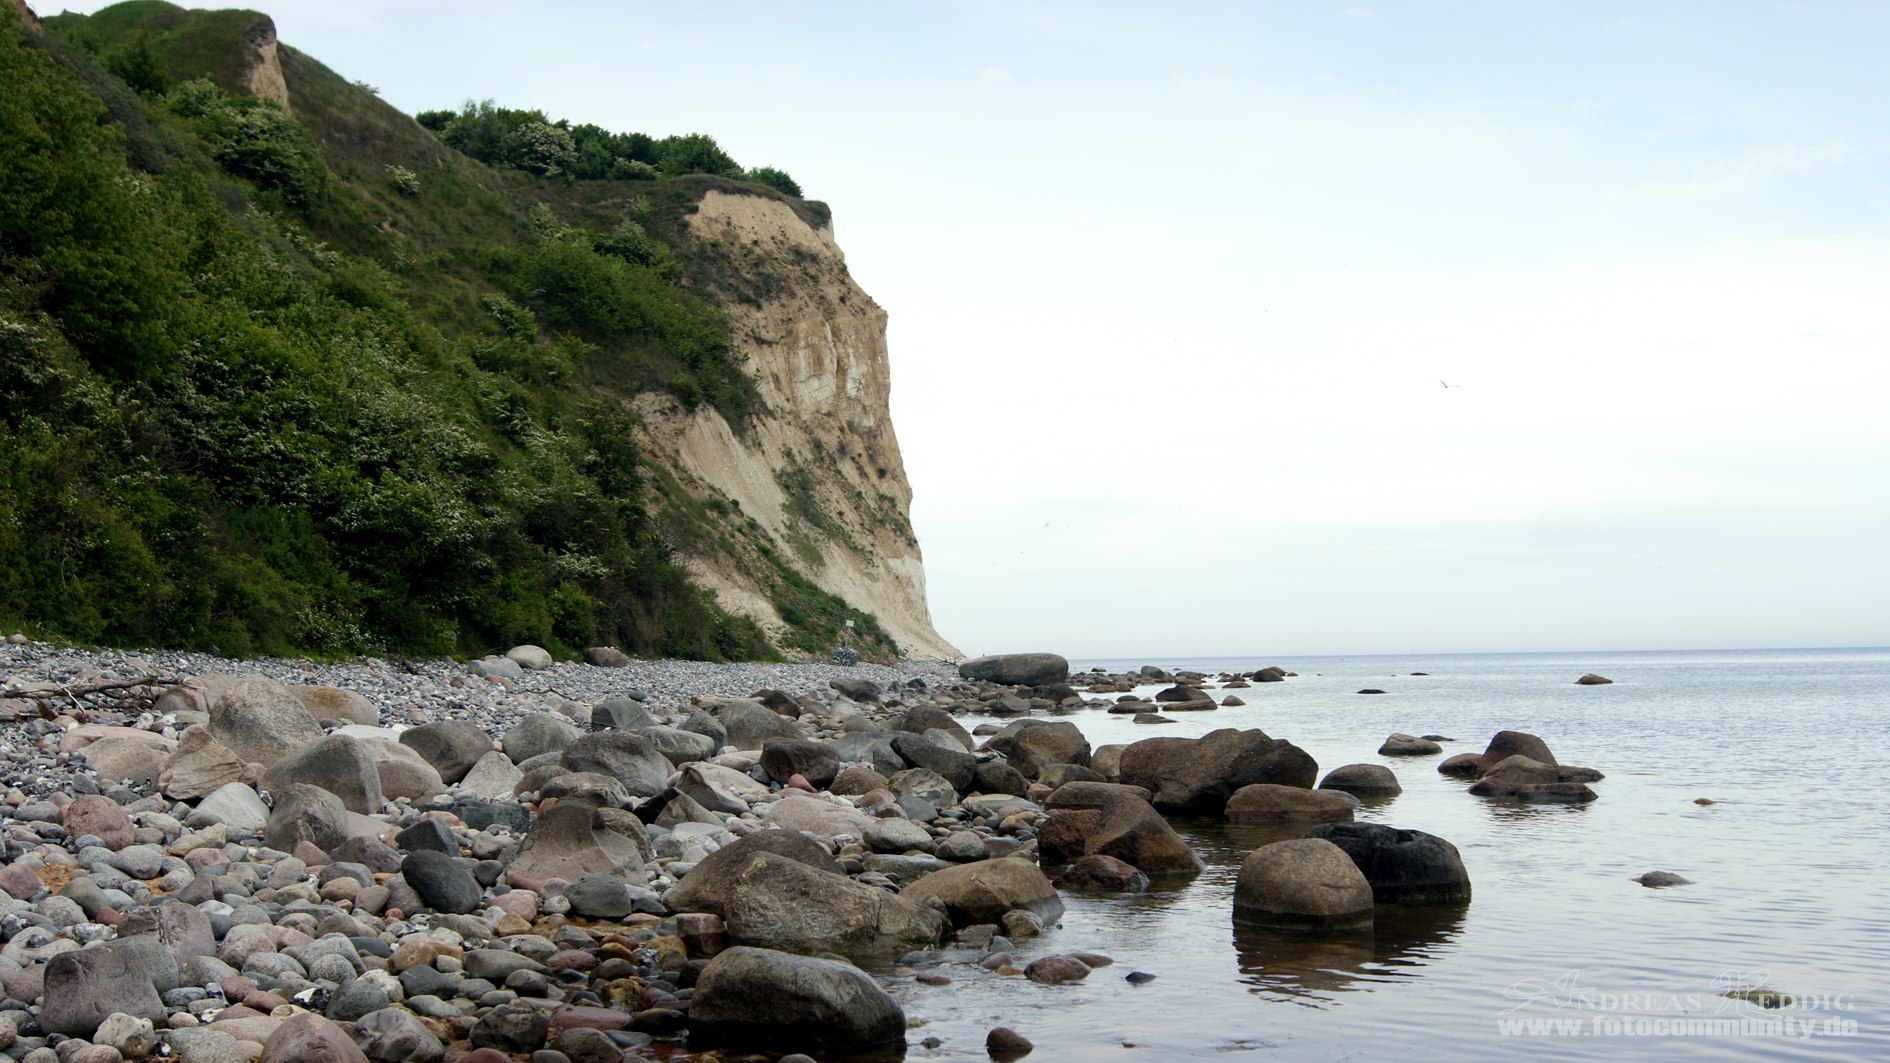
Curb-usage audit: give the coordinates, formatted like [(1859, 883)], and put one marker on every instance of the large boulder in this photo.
[(923, 751), (1132, 831), (182, 929), (336, 763), (1521, 778), (623, 755), (1404, 745), (120, 753), (1223, 761), (622, 714), (777, 903), (925, 784), (1090, 794), (717, 788), (575, 837), (257, 717), (1042, 743), (99, 816), (750, 723), (200, 765), (1101, 874), (1403, 866), (1305, 882), (529, 657), (396, 1035), (1140, 762), (873, 748), (1271, 803), (309, 1038), (678, 745), (1017, 669), (85, 986), (405, 773), (784, 758), (305, 813), (333, 703), (781, 1002), (1362, 780), (443, 882), (817, 816), (538, 734), (1506, 744), (983, 891), (451, 746), (922, 718), (236, 806), (705, 888)]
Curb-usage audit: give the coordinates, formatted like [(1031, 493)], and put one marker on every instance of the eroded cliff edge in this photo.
[(815, 477)]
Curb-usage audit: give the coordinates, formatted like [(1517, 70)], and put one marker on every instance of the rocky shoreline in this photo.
[(221, 861)]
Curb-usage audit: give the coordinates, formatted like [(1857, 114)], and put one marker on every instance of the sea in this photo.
[(1561, 955)]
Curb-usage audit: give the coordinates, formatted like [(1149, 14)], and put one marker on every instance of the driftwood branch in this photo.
[(83, 690), (138, 689)]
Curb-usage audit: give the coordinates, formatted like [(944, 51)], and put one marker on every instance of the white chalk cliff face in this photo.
[(817, 469)]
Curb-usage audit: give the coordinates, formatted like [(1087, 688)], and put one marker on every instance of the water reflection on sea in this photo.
[(1788, 864)]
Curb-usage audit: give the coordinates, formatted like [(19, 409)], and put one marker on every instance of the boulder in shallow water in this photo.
[(1403, 866), (982, 892), (1101, 874), (1270, 803), (1362, 780), (1404, 745), (1523, 779), (1593, 680), (1305, 882), (1220, 762), (1132, 831), (1661, 880), (1506, 744)]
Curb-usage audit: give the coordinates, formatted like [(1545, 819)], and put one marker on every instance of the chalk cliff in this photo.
[(818, 470)]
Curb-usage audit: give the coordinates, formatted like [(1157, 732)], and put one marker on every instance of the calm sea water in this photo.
[(1789, 867)]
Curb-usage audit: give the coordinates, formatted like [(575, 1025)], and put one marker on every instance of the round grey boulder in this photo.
[(1362, 780), (1305, 882), (764, 998)]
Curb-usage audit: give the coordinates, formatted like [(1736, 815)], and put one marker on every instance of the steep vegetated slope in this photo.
[(288, 371)]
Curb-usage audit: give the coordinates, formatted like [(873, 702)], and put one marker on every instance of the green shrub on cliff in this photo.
[(258, 400)]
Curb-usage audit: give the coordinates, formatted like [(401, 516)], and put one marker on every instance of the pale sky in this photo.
[(1174, 296)]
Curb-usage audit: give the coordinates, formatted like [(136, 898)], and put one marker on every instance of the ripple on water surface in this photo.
[(1789, 878)]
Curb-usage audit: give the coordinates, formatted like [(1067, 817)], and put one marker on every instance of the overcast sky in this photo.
[(1174, 296)]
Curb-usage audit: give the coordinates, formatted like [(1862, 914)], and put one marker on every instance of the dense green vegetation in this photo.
[(316, 383), (527, 140)]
